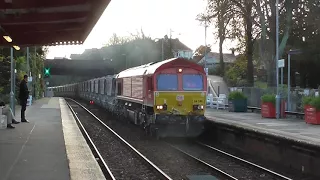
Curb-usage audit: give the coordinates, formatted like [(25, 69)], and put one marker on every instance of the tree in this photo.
[(267, 18), (116, 40), (220, 12), (237, 72), (245, 10)]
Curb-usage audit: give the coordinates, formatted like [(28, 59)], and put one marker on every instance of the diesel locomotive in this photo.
[(166, 98)]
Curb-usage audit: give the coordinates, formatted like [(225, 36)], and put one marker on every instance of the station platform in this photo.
[(50, 147), (290, 128)]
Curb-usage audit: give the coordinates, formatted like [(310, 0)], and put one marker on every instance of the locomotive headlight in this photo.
[(159, 107), (198, 107)]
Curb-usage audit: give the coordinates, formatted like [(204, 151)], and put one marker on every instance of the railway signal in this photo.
[(46, 72)]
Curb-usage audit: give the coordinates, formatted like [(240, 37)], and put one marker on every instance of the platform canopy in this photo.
[(48, 22)]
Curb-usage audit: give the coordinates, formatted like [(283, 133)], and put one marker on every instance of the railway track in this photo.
[(119, 159), (227, 165)]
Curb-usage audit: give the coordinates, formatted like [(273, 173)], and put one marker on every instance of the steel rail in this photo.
[(245, 161), (124, 141)]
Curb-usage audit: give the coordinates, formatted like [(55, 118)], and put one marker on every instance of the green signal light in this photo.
[(47, 71)]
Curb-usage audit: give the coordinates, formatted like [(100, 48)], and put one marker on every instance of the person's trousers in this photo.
[(6, 111), (23, 104)]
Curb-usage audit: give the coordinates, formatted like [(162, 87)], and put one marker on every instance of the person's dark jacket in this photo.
[(24, 92)]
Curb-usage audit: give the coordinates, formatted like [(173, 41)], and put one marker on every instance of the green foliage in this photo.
[(269, 98), (236, 95), (306, 100), (237, 73), (36, 67), (261, 85), (315, 102)]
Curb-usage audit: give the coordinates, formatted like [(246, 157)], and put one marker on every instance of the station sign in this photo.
[(281, 63)]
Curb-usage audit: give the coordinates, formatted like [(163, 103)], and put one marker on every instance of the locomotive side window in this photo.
[(119, 88), (150, 84), (167, 82), (105, 86), (94, 86), (113, 90), (192, 82)]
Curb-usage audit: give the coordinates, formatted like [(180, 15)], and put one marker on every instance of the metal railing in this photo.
[(216, 104)]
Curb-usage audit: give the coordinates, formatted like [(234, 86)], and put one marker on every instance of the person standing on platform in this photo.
[(7, 111), (23, 96)]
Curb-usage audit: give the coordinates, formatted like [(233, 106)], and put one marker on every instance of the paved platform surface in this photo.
[(289, 128), (42, 149)]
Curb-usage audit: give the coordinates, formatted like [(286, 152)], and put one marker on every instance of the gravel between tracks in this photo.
[(231, 166), (169, 160), (123, 162)]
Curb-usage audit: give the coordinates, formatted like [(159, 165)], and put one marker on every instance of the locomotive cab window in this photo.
[(167, 82), (192, 82)]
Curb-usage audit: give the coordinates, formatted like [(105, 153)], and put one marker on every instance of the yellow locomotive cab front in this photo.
[(180, 103)]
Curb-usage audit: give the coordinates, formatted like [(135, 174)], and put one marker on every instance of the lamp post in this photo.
[(205, 44), (277, 60), (291, 52), (12, 81)]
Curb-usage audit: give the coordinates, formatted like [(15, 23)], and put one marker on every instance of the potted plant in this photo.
[(306, 100), (237, 102), (268, 106), (312, 111)]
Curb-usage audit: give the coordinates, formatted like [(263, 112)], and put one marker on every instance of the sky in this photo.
[(155, 17)]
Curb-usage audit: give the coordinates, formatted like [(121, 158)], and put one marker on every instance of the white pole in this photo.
[(205, 44), (12, 82), (277, 59), (289, 83)]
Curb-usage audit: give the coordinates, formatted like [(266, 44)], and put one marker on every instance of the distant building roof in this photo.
[(213, 58), (178, 45)]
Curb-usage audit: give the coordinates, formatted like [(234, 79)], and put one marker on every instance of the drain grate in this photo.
[(201, 177)]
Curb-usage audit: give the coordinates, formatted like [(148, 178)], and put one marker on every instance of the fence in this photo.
[(296, 95)]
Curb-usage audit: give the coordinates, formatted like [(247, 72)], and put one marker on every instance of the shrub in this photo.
[(315, 102), (269, 98), (236, 95), (306, 100)]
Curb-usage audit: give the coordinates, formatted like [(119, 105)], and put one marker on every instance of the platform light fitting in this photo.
[(7, 38), (16, 47)]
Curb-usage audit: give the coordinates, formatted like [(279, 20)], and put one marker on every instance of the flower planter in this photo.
[(238, 105), (311, 115), (268, 110)]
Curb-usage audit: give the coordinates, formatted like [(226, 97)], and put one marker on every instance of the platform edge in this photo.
[(81, 161)]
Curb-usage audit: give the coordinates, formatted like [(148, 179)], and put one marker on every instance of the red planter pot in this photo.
[(311, 115), (268, 110)]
